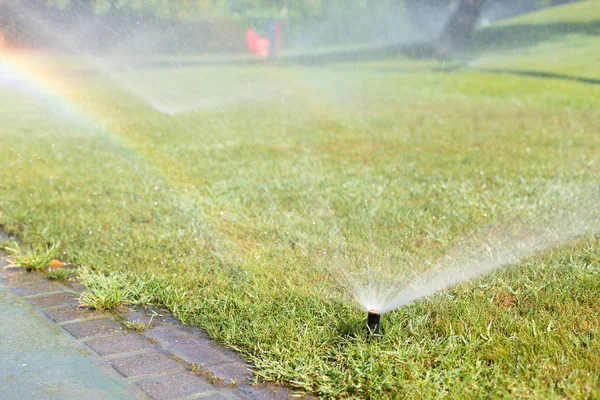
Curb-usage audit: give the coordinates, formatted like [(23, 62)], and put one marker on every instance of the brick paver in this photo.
[(173, 335), (175, 386), (85, 329), (67, 313), (44, 287), (216, 396), (57, 299), (119, 344), (12, 276), (229, 373), (145, 364)]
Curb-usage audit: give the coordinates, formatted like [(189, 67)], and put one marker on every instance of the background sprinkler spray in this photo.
[(373, 322)]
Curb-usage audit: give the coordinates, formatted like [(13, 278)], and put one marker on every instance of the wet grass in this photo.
[(223, 214), (61, 273)]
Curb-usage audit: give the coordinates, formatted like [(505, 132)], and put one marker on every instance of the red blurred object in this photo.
[(251, 37), (256, 44)]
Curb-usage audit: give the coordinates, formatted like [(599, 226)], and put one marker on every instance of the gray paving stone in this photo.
[(170, 335), (38, 362), (85, 329), (56, 299), (145, 364), (3, 261), (219, 396), (119, 344), (137, 316), (205, 354), (191, 345), (38, 288), (230, 372), (14, 276), (268, 392), (71, 313), (76, 287), (150, 319), (175, 386)]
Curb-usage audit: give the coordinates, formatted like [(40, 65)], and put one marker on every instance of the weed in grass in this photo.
[(106, 292), (61, 273), (196, 368), (199, 370), (102, 299), (35, 258), (136, 326)]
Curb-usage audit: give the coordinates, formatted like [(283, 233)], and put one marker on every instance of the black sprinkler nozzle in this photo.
[(373, 322)]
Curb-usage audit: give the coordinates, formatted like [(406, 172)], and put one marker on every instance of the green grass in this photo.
[(61, 273), (32, 259), (135, 326), (223, 214), (105, 292)]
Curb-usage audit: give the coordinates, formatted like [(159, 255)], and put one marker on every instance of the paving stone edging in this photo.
[(166, 361)]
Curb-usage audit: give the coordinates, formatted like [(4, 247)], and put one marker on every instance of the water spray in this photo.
[(373, 322)]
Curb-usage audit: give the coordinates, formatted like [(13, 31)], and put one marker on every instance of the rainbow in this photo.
[(23, 72), (33, 74)]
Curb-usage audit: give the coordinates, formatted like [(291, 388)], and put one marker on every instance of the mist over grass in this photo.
[(229, 212)]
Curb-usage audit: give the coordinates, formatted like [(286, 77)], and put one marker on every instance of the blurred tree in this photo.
[(243, 9), (452, 21), (458, 29), (448, 23)]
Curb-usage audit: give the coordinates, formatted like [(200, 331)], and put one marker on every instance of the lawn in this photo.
[(227, 213), (558, 40)]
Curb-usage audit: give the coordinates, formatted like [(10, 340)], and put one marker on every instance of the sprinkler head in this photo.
[(373, 322)]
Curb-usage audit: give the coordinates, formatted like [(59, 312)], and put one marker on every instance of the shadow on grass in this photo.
[(351, 328), (498, 71), (526, 35), (492, 38), (540, 74)]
